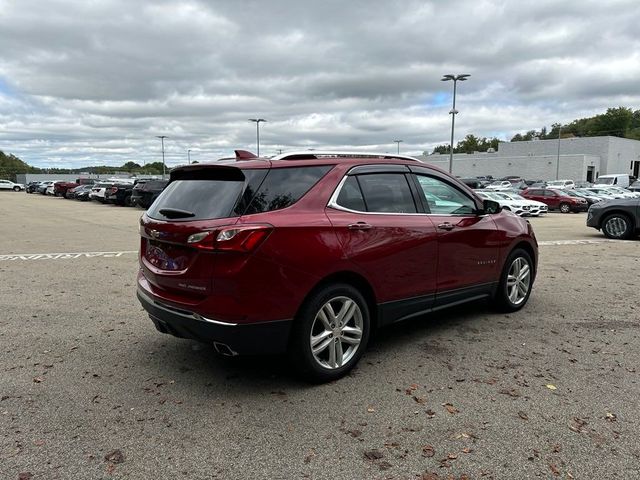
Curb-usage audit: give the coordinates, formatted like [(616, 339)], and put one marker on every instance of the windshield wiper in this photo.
[(176, 213)]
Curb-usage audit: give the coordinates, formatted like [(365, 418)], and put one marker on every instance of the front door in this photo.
[(467, 242)]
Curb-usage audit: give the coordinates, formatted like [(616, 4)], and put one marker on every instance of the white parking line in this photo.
[(63, 256), (581, 242)]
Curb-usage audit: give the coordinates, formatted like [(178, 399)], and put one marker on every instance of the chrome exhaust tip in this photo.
[(224, 349)]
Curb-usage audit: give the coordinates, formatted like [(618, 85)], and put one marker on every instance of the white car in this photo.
[(600, 191), (9, 185), (520, 208), (624, 192), (536, 208), (500, 185), (98, 191), (562, 184)]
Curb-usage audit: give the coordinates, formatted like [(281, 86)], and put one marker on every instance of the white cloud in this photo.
[(86, 82)]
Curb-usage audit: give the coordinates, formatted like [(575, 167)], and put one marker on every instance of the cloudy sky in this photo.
[(94, 81)]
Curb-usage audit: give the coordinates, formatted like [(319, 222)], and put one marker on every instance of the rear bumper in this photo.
[(241, 339)]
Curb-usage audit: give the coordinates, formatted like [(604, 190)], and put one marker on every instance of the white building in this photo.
[(581, 158)]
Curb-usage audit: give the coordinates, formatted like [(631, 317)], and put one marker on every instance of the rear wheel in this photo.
[(617, 226), (516, 282), (16, 189), (331, 333), (565, 208)]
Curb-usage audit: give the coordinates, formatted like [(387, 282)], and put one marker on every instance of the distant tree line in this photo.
[(616, 122), (10, 166)]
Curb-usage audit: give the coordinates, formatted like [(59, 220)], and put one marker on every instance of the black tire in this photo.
[(565, 208), (501, 299), (300, 352), (16, 189), (127, 201), (617, 226)]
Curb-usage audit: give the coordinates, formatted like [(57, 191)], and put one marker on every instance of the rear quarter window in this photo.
[(282, 187)]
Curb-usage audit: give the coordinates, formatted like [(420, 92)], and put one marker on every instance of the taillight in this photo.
[(244, 238)]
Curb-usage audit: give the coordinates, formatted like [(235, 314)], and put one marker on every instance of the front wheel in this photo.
[(331, 333), (565, 208), (16, 189), (617, 226), (516, 282)]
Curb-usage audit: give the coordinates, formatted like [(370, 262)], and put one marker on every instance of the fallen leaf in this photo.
[(450, 408), (610, 417), (420, 400), (428, 451), (373, 454), (309, 456), (467, 450), (452, 456), (430, 476), (551, 387), (25, 476), (116, 456), (554, 470), (354, 433), (512, 393), (38, 379), (412, 387), (430, 413), (523, 415), (384, 465), (371, 409)]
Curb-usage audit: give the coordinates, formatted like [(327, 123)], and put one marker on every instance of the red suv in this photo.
[(310, 252), (557, 199)]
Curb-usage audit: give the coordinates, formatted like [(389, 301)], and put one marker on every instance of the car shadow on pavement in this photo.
[(198, 363)]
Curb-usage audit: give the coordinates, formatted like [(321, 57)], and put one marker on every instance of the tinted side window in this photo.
[(387, 193), (283, 187), (445, 199), (351, 196)]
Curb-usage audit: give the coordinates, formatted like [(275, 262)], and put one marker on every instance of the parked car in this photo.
[(625, 192), (572, 193), (32, 187), (591, 198), (583, 184), (73, 192), (60, 188), (635, 186), (521, 209), (98, 191), (618, 219), (9, 185), (500, 185), (146, 191), (82, 192), (601, 191), (224, 254), (42, 187), (556, 199), (119, 193), (535, 208), (563, 184)]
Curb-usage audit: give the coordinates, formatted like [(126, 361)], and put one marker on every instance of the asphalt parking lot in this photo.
[(89, 389)]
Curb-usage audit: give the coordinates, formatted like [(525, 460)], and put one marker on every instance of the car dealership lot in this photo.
[(90, 390)]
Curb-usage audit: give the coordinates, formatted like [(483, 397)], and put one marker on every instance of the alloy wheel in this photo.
[(518, 280), (616, 226), (336, 332)]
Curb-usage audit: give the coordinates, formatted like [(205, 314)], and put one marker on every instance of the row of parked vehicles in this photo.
[(140, 192)]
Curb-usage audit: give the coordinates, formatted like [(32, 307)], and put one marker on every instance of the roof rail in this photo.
[(312, 154)]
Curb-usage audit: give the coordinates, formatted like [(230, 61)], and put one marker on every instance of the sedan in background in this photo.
[(536, 208), (520, 208)]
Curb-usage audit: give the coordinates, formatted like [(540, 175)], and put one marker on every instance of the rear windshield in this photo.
[(223, 193)]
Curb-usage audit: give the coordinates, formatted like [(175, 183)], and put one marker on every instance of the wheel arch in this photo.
[(355, 280)]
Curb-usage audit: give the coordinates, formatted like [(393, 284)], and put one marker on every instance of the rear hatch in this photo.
[(178, 232)]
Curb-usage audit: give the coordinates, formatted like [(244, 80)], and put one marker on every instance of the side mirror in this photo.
[(490, 207)]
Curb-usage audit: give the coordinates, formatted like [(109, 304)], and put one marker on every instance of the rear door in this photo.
[(551, 198), (467, 242), (387, 236)]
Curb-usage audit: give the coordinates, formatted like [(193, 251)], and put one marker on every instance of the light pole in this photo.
[(398, 142), (164, 168), (189, 156), (453, 112), (257, 122), (558, 159)]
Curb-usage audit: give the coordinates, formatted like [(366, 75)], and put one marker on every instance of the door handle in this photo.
[(446, 226), (359, 226)]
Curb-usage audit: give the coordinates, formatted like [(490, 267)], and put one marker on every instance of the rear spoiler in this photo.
[(244, 155)]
